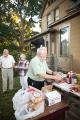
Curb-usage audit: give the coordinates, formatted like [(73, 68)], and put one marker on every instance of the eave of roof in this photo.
[(72, 7), (40, 35), (76, 5)]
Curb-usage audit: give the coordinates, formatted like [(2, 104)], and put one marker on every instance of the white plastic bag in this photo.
[(21, 98), (24, 113), (28, 103)]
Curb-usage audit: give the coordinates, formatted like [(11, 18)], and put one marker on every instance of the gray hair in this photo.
[(5, 50), (23, 56), (41, 49)]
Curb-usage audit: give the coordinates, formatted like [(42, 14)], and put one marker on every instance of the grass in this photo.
[(6, 105)]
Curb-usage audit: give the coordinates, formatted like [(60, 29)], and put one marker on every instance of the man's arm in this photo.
[(50, 72), (53, 77)]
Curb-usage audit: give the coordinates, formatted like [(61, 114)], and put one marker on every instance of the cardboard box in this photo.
[(53, 97)]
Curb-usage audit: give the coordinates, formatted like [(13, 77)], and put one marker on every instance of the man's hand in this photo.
[(57, 78)]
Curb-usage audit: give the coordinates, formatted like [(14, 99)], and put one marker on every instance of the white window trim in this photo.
[(55, 13), (61, 27)]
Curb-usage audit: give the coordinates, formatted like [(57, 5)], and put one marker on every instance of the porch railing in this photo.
[(63, 64)]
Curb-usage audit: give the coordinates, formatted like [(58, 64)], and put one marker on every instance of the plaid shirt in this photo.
[(24, 64)]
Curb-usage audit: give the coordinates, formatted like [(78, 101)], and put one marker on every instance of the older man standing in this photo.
[(38, 70), (7, 63)]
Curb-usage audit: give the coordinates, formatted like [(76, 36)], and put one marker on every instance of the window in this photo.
[(56, 14), (64, 41), (53, 16), (49, 19)]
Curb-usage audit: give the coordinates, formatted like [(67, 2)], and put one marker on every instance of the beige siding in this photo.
[(44, 24), (74, 23), (47, 10), (75, 42), (74, 47), (63, 6), (56, 4)]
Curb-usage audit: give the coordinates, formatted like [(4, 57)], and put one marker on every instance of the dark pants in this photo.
[(36, 84)]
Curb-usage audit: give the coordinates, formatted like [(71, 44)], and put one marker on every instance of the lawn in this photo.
[(6, 106)]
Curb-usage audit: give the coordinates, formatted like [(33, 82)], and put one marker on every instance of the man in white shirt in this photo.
[(38, 70), (7, 63)]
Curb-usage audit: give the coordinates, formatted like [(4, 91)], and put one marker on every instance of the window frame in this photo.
[(55, 16), (49, 21), (52, 17), (67, 52)]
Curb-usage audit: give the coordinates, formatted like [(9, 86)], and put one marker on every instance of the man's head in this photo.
[(5, 52), (42, 52)]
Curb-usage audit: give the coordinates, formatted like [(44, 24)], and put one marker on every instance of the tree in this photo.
[(18, 17)]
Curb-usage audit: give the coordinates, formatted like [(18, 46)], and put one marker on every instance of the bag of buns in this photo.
[(47, 88)]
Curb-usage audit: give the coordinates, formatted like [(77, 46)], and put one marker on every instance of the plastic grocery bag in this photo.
[(28, 103), (21, 98), (24, 113)]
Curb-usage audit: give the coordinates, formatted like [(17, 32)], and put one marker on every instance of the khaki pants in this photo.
[(7, 74)]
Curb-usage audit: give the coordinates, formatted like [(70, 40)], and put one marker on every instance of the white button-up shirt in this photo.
[(7, 62)]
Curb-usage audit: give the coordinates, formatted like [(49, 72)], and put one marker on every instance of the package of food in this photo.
[(36, 93), (53, 97), (47, 88), (78, 78), (75, 88)]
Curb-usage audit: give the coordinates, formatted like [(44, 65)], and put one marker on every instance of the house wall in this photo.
[(63, 6), (44, 24), (74, 24), (74, 46), (75, 42)]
